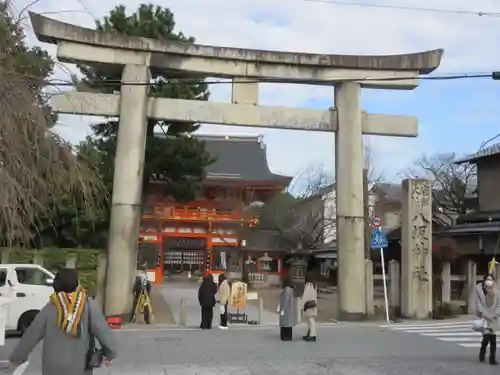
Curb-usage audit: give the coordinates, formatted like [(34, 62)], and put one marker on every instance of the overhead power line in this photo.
[(493, 75), (407, 8)]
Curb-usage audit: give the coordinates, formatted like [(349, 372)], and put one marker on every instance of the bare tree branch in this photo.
[(452, 184), (302, 221), (373, 175), (37, 167)]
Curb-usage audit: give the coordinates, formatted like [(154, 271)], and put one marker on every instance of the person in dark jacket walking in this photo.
[(66, 325), (206, 298)]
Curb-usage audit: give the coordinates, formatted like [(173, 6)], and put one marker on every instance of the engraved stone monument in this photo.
[(416, 250)]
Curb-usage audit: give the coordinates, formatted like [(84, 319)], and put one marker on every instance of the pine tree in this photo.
[(175, 156)]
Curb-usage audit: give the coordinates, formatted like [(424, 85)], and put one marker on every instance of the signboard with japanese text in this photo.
[(239, 295)]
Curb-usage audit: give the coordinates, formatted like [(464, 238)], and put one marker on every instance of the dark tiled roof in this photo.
[(475, 228), (479, 217), (489, 151), (394, 192), (388, 191), (330, 246), (239, 158)]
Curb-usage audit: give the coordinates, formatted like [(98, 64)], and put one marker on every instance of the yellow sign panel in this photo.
[(239, 295)]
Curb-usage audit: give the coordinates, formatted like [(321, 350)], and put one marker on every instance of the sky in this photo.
[(454, 115)]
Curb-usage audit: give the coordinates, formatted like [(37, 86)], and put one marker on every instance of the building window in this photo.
[(184, 243)]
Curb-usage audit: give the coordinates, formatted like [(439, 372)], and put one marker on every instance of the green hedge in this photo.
[(54, 258)]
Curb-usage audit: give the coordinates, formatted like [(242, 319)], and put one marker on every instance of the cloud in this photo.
[(470, 44)]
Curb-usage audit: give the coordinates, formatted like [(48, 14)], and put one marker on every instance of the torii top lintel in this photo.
[(52, 31)]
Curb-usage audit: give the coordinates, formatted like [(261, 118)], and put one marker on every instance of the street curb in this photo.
[(333, 324), (459, 319), (239, 327)]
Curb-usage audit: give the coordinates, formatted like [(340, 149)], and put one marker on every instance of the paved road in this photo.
[(340, 350), (174, 291), (458, 333)]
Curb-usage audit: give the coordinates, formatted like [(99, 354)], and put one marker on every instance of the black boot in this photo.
[(311, 339), (482, 350), (493, 349), (288, 334), (306, 336)]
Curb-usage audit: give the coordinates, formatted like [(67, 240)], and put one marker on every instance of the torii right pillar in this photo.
[(416, 257)]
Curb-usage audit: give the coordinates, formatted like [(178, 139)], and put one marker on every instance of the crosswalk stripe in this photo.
[(471, 345), (424, 325), (461, 326), (435, 330), (437, 334), (459, 333), (458, 339)]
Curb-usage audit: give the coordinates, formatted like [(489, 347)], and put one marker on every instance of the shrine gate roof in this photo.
[(53, 31)]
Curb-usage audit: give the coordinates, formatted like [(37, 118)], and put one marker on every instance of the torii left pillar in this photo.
[(349, 203), (127, 189)]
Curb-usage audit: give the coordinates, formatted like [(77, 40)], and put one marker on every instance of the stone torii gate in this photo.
[(348, 75)]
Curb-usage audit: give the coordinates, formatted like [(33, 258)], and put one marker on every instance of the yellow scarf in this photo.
[(70, 307)]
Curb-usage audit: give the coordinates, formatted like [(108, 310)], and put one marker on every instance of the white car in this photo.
[(25, 289)]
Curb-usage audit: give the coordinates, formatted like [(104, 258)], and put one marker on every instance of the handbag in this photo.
[(95, 356), (309, 305), (479, 324)]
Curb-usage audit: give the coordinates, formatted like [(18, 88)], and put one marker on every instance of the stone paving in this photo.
[(340, 350)]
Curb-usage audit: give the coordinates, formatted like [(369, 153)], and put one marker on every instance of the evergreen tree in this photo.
[(175, 156)]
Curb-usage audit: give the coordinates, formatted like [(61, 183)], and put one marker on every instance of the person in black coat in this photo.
[(206, 298)]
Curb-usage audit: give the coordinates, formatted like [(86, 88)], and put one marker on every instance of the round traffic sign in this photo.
[(377, 221)]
